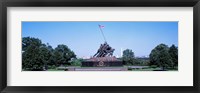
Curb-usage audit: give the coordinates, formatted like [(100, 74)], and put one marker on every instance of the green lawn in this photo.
[(54, 70), (129, 69)]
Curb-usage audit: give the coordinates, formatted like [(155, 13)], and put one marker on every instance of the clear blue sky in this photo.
[(84, 38)]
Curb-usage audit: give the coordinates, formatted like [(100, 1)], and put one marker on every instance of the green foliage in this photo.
[(51, 67), (153, 66), (141, 62), (29, 41), (38, 56), (160, 56), (35, 54), (173, 51), (128, 57), (63, 54), (76, 62)]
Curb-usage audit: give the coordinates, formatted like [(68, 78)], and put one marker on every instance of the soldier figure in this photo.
[(99, 50), (104, 50)]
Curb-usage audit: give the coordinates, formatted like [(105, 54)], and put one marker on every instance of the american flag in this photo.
[(101, 26)]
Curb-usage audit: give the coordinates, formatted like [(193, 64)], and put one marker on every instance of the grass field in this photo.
[(55, 70)]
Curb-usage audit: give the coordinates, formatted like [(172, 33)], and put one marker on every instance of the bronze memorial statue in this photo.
[(104, 50), (104, 56)]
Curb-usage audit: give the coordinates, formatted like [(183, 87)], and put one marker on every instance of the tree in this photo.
[(128, 57), (29, 41), (51, 62), (38, 56), (141, 61), (173, 51), (45, 55), (34, 54), (63, 54), (76, 62), (160, 56)]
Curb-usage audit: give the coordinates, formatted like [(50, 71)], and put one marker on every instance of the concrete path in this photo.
[(98, 69)]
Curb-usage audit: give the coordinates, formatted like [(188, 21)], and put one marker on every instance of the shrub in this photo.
[(153, 66)]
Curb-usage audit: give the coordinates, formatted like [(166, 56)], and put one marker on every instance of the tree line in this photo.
[(39, 56), (161, 56)]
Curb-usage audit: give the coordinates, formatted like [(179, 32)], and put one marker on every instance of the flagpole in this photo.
[(102, 33)]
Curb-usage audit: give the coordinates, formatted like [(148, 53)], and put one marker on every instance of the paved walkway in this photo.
[(98, 69)]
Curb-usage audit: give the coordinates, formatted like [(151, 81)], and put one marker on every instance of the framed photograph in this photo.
[(99, 46)]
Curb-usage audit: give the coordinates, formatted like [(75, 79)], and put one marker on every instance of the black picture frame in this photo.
[(100, 3)]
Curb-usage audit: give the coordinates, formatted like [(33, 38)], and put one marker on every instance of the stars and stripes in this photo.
[(101, 26)]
